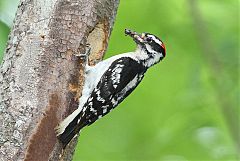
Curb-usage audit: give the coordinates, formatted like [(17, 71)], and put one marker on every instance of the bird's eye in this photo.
[(148, 39)]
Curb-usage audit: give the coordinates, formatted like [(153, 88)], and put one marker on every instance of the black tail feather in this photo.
[(71, 130)]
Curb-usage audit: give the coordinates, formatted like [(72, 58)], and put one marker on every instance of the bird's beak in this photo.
[(138, 38)]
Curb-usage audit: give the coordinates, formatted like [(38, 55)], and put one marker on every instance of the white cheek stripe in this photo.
[(155, 39), (150, 49)]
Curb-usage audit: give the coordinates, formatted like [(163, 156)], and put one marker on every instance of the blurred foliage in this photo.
[(177, 112)]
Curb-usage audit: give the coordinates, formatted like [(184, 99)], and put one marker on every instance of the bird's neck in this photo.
[(148, 59)]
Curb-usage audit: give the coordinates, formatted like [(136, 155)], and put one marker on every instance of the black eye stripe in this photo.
[(156, 46), (149, 39)]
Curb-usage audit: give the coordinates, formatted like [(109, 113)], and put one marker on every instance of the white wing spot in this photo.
[(131, 84), (90, 99), (104, 110), (114, 102), (93, 110), (90, 104), (116, 74)]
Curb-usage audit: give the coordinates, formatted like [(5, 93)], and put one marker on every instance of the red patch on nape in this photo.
[(163, 46)]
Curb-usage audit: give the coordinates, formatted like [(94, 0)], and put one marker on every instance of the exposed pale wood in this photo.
[(41, 75)]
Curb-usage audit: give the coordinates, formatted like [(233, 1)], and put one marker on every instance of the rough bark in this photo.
[(41, 75)]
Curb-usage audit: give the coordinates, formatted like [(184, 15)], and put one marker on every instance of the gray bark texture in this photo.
[(41, 76)]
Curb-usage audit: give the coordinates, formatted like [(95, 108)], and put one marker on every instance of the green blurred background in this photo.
[(187, 107)]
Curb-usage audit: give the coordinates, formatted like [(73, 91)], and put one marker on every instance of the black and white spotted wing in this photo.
[(117, 83)]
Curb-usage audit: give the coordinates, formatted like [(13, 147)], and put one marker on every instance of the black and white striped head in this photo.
[(148, 42)]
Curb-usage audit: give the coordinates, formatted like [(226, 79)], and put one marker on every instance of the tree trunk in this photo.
[(42, 75)]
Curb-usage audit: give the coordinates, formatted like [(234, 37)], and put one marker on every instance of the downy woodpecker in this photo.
[(109, 82)]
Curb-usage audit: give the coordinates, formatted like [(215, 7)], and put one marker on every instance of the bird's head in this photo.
[(150, 43)]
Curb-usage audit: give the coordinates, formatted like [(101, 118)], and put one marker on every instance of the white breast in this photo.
[(94, 74)]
